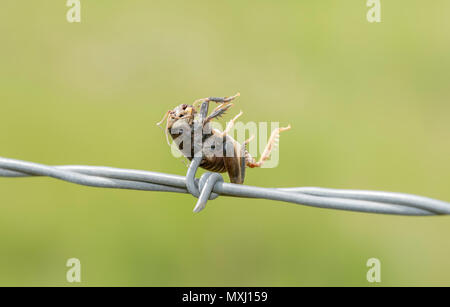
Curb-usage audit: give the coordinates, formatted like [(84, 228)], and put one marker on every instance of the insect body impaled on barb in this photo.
[(192, 132)]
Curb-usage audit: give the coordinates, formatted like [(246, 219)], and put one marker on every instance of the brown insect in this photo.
[(192, 132)]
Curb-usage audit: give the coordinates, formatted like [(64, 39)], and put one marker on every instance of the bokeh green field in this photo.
[(368, 103)]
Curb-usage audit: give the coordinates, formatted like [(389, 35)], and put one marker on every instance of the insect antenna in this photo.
[(164, 118), (166, 130)]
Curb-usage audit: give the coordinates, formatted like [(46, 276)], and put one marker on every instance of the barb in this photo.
[(211, 185)]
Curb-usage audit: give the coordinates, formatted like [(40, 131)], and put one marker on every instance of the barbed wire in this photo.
[(211, 186)]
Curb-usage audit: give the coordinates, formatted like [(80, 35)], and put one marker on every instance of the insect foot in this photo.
[(202, 189)]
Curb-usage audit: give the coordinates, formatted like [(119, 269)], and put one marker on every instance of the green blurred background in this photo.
[(368, 103)]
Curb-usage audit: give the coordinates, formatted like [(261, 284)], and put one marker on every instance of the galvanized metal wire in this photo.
[(211, 186)]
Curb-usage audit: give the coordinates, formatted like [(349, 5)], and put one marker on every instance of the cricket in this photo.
[(189, 126)]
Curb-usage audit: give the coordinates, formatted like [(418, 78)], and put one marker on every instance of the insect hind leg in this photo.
[(251, 162), (218, 112), (225, 104), (217, 99), (224, 99)]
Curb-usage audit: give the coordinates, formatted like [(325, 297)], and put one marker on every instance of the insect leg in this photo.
[(249, 140), (217, 99), (267, 151), (224, 99), (204, 111), (231, 124), (219, 111)]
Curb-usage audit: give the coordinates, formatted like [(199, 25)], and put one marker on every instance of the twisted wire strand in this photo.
[(211, 186)]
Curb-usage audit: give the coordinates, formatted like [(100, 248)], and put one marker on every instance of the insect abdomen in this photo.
[(214, 165), (213, 153)]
